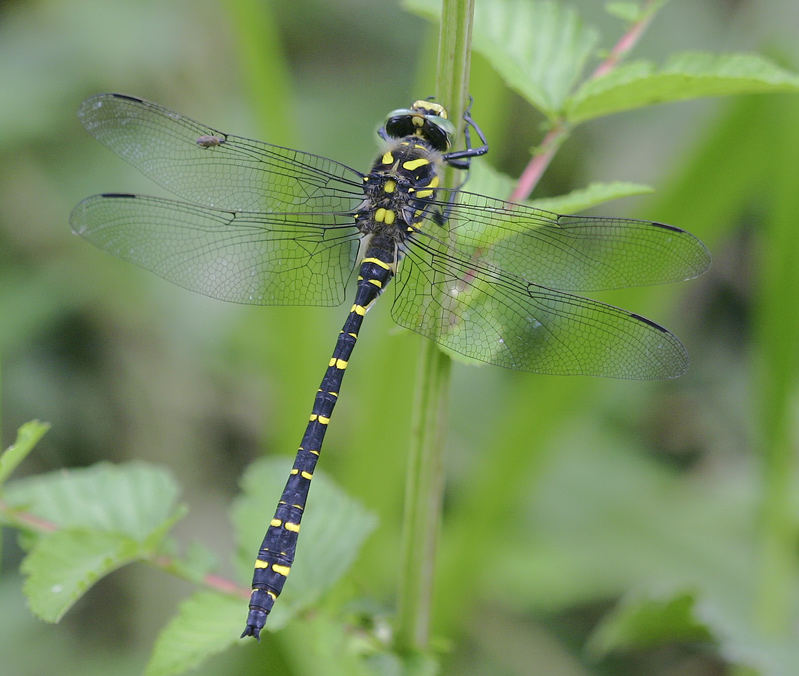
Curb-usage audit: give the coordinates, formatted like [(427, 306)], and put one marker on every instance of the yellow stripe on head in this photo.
[(432, 107)]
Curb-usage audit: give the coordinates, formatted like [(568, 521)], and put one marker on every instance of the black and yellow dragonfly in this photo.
[(492, 280)]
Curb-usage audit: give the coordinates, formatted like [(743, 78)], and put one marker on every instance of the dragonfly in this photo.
[(494, 281)]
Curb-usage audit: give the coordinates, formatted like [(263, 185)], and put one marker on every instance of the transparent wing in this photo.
[(570, 253), (485, 314), (238, 256), (208, 167)]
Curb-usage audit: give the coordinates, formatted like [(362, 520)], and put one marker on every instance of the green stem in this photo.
[(778, 374), (425, 478), (423, 490)]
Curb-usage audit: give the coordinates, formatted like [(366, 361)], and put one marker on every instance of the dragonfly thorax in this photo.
[(400, 188)]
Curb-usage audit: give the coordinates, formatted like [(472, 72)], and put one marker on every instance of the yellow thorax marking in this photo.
[(388, 158), (410, 165), (390, 185)]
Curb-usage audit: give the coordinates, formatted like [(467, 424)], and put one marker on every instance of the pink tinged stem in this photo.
[(556, 135)]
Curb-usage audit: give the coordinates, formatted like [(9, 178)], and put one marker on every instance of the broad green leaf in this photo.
[(593, 194), (133, 499), (206, 624), (196, 562), (27, 437), (689, 75), (633, 11), (538, 48), (647, 621), (626, 11), (333, 529), (63, 565), (488, 181), (640, 526)]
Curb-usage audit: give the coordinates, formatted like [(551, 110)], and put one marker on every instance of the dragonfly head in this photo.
[(426, 119)]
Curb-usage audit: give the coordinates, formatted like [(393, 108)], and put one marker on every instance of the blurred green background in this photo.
[(563, 494)]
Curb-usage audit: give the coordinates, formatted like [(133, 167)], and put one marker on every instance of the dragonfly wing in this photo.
[(572, 253), (484, 314), (208, 167), (243, 257)]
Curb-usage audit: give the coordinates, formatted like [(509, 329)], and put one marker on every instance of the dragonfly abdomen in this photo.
[(276, 555)]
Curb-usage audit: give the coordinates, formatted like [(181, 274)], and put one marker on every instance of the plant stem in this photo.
[(425, 478), (777, 367), (423, 490)]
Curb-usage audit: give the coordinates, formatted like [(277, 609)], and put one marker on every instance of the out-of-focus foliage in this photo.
[(591, 526)]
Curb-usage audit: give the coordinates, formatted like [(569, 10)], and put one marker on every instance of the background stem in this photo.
[(425, 479)]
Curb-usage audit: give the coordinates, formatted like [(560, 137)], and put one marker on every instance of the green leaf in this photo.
[(632, 12), (647, 621), (133, 499), (593, 194), (27, 437), (107, 516), (626, 11), (689, 75), (196, 562), (538, 48), (333, 530), (206, 624), (489, 181), (63, 565)]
